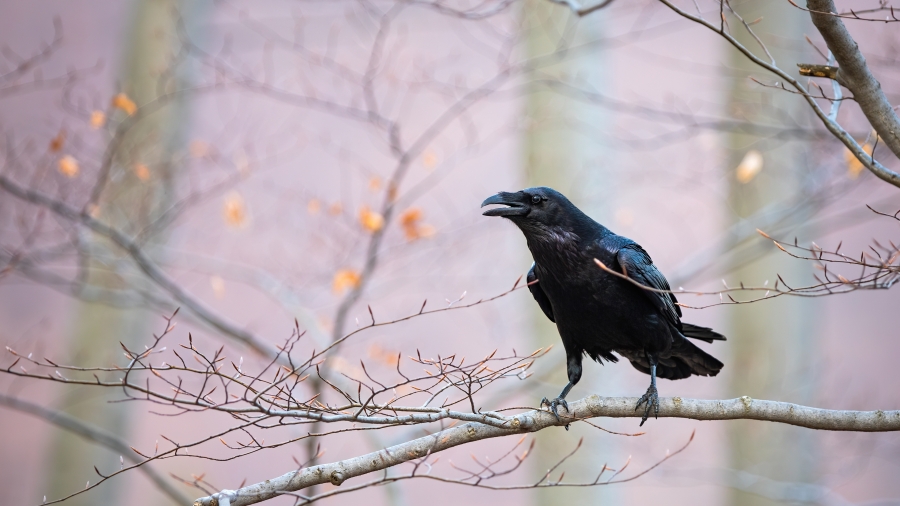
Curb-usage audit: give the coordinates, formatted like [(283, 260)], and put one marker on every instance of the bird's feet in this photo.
[(553, 405), (651, 398)]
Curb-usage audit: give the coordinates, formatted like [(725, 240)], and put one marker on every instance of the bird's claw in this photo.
[(651, 398), (553, 405)]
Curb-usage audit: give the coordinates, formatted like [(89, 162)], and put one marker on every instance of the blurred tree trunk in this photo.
[(559, 153), (769, 341), (140, 187)]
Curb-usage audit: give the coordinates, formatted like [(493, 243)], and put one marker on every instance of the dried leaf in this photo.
[(370, 220), (749, 167), (345, 278), (235, 211), (411, 216), (121, 101), (413, 229), (56, 144), (68, 166), (142, 172), (98, 119), (429, 159), (854, 166)]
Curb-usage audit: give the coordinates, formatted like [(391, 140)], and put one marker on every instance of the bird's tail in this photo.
[(686, 360), (702, 333)]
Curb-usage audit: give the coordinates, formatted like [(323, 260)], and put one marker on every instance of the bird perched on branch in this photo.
[(597, 310)]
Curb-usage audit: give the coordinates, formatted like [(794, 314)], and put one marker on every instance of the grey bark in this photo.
[(854, 73), (769, 346), (836, 129), (743, 408), (126, 203)]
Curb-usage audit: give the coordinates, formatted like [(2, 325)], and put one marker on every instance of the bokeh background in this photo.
[(270, 162)]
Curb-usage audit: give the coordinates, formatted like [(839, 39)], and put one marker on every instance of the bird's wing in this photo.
[(538, 293), (638, 266)]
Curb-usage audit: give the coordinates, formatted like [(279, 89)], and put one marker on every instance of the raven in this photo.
[(595, 312)]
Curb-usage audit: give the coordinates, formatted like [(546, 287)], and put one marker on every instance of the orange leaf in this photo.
[(411, 216), (142, 172), (98, 119), (235, 211), (429, 159), (370, 220), (412, 228), (750, 166), (57, 142), (345, 278), (68, 166), (121, 101), (314, 206), (854, 166)]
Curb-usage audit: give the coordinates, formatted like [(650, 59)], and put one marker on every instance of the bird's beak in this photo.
[(515, 207)]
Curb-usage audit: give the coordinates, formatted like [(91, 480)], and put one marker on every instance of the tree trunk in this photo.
[(769, 341), (141, 184), (558, 153)]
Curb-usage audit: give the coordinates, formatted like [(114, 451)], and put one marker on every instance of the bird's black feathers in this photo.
[(535, 288), (597, 313), (702, 333), (637, 265)]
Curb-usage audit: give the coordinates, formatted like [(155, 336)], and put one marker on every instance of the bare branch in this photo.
[(855, 74), (814, 70), (743, 408), (95, 435), (580, 10), (836, 129), (852, 14), (144, 263)]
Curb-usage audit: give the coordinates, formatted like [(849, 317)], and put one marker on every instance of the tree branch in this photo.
[(815, 70), (95, 435), (833, 126), (143, 262), (854, 73), (743, 408), (580, 10)]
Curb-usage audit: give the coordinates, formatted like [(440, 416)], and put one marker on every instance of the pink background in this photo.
[(671, 198)]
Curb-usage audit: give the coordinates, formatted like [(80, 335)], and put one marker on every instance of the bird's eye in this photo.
[(536, 199)]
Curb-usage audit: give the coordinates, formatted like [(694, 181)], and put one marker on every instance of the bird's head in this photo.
[(537, 211)]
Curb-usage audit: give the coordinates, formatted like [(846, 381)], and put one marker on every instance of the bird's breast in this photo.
[(589, 306)]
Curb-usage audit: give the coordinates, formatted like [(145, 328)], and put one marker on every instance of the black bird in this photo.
[(598, 313)]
